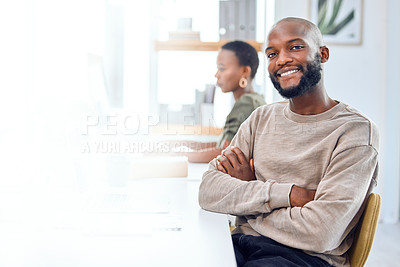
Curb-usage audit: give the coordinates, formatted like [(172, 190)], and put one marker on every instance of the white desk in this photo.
[(52, 231)]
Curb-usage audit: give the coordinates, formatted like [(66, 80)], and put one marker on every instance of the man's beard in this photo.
[(310, 78)]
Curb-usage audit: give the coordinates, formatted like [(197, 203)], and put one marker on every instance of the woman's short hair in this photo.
[(246, 54)]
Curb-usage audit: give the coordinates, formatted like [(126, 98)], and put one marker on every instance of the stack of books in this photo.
[(184, 31), (184, 35)]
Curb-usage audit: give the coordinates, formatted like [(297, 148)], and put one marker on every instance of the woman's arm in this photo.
[(203, 155), (195, 145), (207, 152), (196, 152)]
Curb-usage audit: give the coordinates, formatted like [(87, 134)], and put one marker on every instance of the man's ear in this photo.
[(324, 53)]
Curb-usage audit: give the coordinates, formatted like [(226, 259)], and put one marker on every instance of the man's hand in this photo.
[(234, 163), (300, 196)]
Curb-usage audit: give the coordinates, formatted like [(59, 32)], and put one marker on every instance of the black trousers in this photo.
[(262, 251)]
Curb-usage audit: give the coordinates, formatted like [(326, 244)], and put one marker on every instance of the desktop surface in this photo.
[(164, 226)]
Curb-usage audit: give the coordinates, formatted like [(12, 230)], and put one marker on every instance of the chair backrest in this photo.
[(365, 231)]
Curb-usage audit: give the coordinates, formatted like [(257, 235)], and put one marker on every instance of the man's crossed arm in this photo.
[(233, 162)]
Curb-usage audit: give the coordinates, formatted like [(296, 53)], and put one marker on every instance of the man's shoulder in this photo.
[(352, 115), (355, 112), (359, 124)]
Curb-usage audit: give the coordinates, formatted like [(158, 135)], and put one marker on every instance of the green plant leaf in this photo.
[(320, 3), (343, 23), (335, 12), (322, 11)]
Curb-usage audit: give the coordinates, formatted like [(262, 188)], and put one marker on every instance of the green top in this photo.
[(242, 109)]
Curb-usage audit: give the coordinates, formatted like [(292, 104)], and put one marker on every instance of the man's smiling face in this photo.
[(294, 63)]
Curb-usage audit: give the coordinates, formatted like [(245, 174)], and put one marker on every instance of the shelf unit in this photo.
[(196, 45)]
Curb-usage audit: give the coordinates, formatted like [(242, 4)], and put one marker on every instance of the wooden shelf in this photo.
[(195, 45)]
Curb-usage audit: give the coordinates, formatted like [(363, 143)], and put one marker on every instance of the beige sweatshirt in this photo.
[(334, 153)]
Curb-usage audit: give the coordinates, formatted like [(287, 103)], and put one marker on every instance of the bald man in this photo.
[(298, 172)]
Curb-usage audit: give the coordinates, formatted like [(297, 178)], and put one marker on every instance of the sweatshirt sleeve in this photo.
[(322, 224), (220, 192)]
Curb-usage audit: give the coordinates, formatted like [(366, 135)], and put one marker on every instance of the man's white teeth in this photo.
[(288, 72)]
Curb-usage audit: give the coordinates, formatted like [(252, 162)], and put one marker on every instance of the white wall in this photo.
[(43, 85), (366, 77), (390, 105)]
